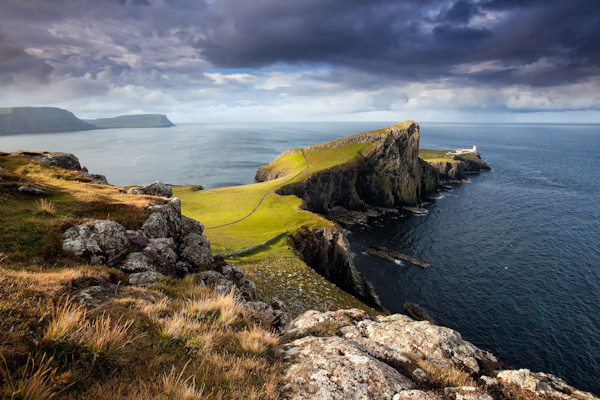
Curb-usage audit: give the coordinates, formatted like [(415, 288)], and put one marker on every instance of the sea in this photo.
[(514, 253)]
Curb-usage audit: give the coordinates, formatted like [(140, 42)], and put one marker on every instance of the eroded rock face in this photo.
[(450, 170), (324, 348), (99, 241), (327, 251), (334, 368), (157, 188)]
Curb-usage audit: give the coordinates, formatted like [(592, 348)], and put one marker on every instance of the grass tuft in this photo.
[(445, 377), (175, 387), (46, 207), (30, 383)]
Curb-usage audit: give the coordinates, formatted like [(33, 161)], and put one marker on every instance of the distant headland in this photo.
[(17, 120)]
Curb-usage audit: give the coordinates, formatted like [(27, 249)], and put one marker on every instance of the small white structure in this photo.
[(460, 152)]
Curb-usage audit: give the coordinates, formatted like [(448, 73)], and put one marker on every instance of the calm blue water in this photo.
[(514, 254)]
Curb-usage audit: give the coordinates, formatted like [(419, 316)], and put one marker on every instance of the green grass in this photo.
[(435, 155), (131, 121)]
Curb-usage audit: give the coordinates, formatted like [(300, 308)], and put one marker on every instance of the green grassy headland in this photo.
[(435, 155), (132, 121)]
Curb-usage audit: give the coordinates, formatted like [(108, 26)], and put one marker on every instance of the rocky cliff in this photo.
[(327, 251), (39, 120), (387, 174)]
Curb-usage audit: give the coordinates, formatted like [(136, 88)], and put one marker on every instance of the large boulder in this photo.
[(99, 241), (161, 253), (157, 188), (62, 160), (137, 262), (195, 249), (334, 368), (164, 221)]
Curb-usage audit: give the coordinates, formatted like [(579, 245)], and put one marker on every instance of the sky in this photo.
[(305, 60)]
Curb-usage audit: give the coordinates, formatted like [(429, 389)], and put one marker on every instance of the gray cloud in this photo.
[(174, 45)]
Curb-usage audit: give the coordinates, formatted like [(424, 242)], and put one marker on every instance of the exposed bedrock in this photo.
[(387, 175), (327, 251)]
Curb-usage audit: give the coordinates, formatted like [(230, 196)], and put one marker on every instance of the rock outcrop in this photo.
[(387, 175), (348, 355), (157, 188), (327, 251), (66, 161)]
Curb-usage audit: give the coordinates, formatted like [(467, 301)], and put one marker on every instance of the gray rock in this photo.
[(99, 179), (165, 221), (99, 241), (334, 368), (195, 249), (62, 160), (216, 280), (137, 262), (32, 189), (275, 314), (189, 225), (144, 278), (161, 252), (157, 188), (2, 169)]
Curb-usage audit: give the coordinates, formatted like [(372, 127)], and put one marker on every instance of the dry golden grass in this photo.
[(445, 377), (176, 387), (31, 382), (46, 207), (257, 341)]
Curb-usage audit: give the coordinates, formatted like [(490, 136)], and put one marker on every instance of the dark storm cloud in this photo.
[(363, 45)]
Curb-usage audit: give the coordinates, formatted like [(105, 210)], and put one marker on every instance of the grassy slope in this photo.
[(277, 270), (435, 155), (176, 340)]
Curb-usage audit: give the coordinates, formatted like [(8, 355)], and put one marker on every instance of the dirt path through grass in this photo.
[(264, 196)]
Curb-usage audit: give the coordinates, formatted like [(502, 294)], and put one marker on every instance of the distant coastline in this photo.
[(18, 120)]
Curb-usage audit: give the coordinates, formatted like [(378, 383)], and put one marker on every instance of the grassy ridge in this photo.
[(435, 155), (132, 121)]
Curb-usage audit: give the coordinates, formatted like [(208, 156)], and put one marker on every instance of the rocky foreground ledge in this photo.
[(348, 355)]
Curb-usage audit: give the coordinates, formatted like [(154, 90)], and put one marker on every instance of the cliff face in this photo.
[(387, 175), (40, 120), (327, 251)]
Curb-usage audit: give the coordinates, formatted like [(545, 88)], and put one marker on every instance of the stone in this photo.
[(542, 384), (275, 314), (32, 189), (466, 393), (161, 252), (62, 160), (144, 278), (157, 188), (165, 221), (137, 262), (417, 312), (98, 241), (98, 179), (414, 395), (195, 249), (216, 280), (334, 368), (189, 225)]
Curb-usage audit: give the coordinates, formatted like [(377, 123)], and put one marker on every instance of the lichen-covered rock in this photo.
[(542, 384), (246, 287), (415, 395), (165, 221), (99, 241), (195, 249), (216, 280), (189, 225), (157, 188), (397, 341), (334, 368), (137, 262), (466, 393), (144, 278), (161, 253)]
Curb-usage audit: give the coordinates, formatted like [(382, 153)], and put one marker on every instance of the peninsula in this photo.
[(113, 293), (18, 120)]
